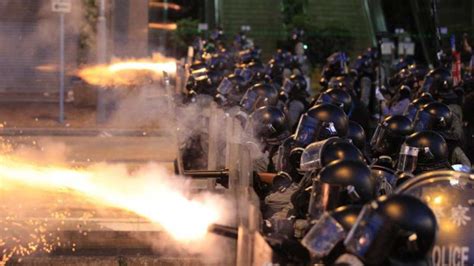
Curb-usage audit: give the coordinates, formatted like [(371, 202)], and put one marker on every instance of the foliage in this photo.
[(184, 34), (292, 8), (88, 30), (321, 41)]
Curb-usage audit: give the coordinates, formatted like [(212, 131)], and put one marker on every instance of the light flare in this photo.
[(127, 73), (149, 193)]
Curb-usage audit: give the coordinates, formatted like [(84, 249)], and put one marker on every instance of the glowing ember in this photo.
[(149, 193), (128, 72)]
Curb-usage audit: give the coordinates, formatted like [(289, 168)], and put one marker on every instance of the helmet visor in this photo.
[(306, 130), (369, 227), (422, 121), (225, 86), (287, 86), (246, 74), (324, 197), (428, 84), (411, 112), (325, 98), (249, 101), (311, 157), (325, 234), (407, 159), (379, 137)]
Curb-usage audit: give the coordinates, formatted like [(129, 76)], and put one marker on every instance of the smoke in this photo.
[(41, 201), (29, 43)]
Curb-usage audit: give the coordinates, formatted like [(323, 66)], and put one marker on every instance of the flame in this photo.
[(47, 68), (163, 26), (149, 193), (172, 6), (128, 72)]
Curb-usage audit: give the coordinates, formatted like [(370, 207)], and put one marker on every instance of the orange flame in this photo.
[(149, 193), (165, 5), (128, 72), (163, 26)]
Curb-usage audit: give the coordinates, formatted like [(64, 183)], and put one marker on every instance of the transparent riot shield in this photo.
[(450, 195)]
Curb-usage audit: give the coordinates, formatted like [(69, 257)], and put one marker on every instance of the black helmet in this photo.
[(249, 55), (416, 105), (294, 85), (389, 135), (417, 74), (385, 179), (423, 151), (325, 237), (357, 135), (335, 66), (275, 69), (338, 184), (269, 125), (199, 80), (399, 78), (230, 90), (261, 94), (321, 122), (405, 92), (258, 69), (438, 81), (319, 154), (433, 116), (399, 227), (338, 97), (343, 82), (217, 62)]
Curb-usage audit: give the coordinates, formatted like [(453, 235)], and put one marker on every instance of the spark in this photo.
[(150, 193)]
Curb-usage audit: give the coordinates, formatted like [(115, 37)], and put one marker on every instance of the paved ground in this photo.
[(45, 115), (31, 126)]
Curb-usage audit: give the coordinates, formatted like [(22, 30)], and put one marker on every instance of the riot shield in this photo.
[(450, 195)]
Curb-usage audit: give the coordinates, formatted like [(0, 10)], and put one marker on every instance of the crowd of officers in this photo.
[(353, 143)]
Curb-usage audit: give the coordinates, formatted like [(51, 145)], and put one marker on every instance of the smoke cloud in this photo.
[(41, 201), (29, 44)]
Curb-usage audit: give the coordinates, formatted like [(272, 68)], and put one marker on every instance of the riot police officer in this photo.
[(261, 94), (438, 117), (267, 128), (315, 157), (338, 97), (394, 230), (357, 111), (335, 66), (294, 96), (398, 104), (294, 200), (338, 184), (325, 238), (231, 90), (389, 136), (416, 105), (321, 122), (358, 137), (422, 152)]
